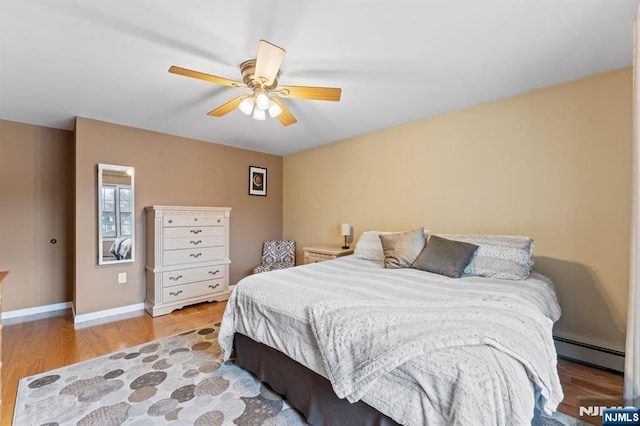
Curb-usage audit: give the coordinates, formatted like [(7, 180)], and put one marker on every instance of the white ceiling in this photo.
[(396, 61)]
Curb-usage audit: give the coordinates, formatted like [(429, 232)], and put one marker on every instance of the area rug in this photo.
[(176, 380)]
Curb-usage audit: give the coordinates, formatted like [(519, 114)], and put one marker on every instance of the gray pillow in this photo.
[(445, 257), (402, 248)]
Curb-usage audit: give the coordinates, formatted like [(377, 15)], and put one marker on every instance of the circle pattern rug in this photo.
[(177, 380)]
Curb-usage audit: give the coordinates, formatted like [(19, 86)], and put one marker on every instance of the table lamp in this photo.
[(346, 231)]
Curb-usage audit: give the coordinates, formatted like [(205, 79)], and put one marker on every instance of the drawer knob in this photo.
[(195, 219), (175, 278), (195, 231), (195, 254), (218, 220), (214, 286), (214, 272), (176, 293), (195, 243), (170, 220)]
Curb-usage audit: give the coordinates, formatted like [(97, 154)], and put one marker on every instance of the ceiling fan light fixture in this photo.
[(262, 100), (260, 76), (258, 114), (246, 106), (274, 109)]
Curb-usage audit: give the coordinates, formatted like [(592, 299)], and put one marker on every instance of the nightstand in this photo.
[(322, 253)]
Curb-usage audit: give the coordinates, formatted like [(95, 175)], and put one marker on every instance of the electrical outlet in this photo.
[(122, 278)]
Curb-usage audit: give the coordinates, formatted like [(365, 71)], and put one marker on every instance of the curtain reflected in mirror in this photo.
[(116, 214)]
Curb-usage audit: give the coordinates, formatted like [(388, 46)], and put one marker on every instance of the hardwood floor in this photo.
[(43, 343), (589, 385)]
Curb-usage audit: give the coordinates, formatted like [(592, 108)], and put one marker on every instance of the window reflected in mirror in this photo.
[(116, 214)]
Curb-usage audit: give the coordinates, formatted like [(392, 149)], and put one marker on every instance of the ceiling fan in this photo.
[(260, 76)]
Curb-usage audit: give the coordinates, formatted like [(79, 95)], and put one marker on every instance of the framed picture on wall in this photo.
[(257, 181)]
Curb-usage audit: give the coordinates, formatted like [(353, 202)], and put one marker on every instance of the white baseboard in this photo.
[(37, 310), (589, 354), (107, 313)]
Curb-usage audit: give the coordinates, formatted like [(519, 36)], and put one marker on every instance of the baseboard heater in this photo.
[(591, 355)]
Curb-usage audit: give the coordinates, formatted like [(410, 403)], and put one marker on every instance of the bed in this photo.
[(349, 338), (121, 248)]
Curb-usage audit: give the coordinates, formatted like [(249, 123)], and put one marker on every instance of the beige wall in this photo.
[(554, 164), (36, 206), (169, 170)]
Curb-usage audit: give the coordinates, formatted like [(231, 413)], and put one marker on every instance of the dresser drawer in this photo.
[(321, 253), (188, 291), (171, 221), (317, 257), (194, 231), (176, 257), (192, 242), (186, 276)]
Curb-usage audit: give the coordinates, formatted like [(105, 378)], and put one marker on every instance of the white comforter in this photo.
[(488, 358)]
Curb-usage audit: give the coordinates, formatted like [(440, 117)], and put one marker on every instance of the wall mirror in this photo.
[(116, 214)]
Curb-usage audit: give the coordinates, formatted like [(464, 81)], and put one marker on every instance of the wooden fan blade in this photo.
[(314, 93), (285, 117), (268, 61), (228, 107), (206, 77)]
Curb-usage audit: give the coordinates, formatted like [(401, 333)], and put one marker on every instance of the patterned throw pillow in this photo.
[(498, 256), (402, 248)]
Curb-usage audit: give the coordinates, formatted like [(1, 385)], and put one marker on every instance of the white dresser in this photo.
[(187, 256)]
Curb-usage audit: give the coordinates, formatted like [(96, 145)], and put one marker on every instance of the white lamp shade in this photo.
[(262, 100), (346, 229), (246, 106), (274, 109), (259, 114)]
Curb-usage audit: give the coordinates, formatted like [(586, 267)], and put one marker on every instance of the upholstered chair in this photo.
[(277, 255)]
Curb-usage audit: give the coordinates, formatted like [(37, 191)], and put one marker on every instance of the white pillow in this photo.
[(499, 256), (369, 246)]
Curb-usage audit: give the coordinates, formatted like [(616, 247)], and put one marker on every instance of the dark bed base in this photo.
[(305, 390)]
